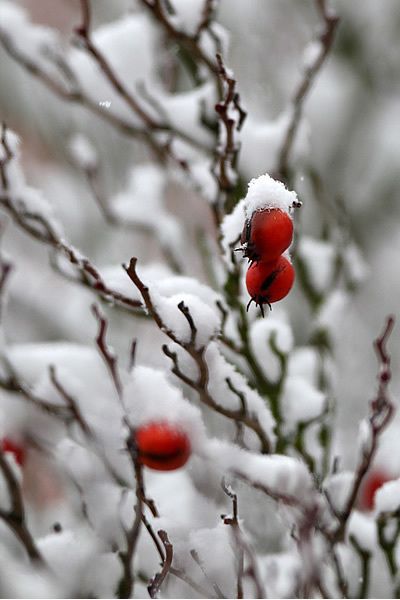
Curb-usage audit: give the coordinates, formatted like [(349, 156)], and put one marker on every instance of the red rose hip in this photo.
[(371, 484), (268, 282), (12, 447), (267, 234), (162, 446)]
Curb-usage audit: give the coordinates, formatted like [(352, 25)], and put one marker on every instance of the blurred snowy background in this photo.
[(350, 136), (346, 164)]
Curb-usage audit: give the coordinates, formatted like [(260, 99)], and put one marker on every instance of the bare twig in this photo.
[(243, 549), (224, 168), (179, 573), (70, 402), (14, 383), (187, 41), (106, 352), (382, 410), (126, 584), (158, 579), (84, 33), (325, 40), (6, 268), (15, 516)]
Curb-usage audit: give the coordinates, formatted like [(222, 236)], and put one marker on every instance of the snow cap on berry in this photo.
[(265, 192)]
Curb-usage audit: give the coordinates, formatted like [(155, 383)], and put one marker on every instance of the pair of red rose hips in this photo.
[(265, 236)]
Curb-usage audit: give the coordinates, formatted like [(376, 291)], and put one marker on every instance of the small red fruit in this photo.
[(269, 282), (371, 485), (267, 234), (162, 446), (13, 447)]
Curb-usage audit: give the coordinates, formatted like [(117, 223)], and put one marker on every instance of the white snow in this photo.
[(129, 45), (304, 362), (82, 151), (387, 497), (282, 475), (141, 202), (363, 527), (219, 370), (71, 554), (231, 230), (319, 257), (183, 110), (262, 140), (187, 14), (265, 335), (331, 311), (29, 38), (356, 266), (301, 401), (282, 570), (26, 200), (311, 53), (206, 319), (339, 486), (265, 192), (364, 438), (22, 580)]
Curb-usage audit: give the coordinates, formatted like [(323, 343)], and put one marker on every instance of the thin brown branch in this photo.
[(178, 573), (187, 41), (227, 150), (153, 536), (5, 272), (15, 516), (243, 549), (106, 352), (126, 584), (382, 410), (207, 15), (325, 39), (13, 383), (7, 156), (84, 33), (158, 579), (69, 401), (286, 499)]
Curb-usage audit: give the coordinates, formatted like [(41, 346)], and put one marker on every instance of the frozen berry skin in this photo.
[(266, 235), (269, 282), (373, 481), (12, 447), (162, 446)]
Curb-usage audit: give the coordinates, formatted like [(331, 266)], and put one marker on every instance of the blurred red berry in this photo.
[(267, 234), (10, 446), (269, 282), (373, 481), (162, 446)]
